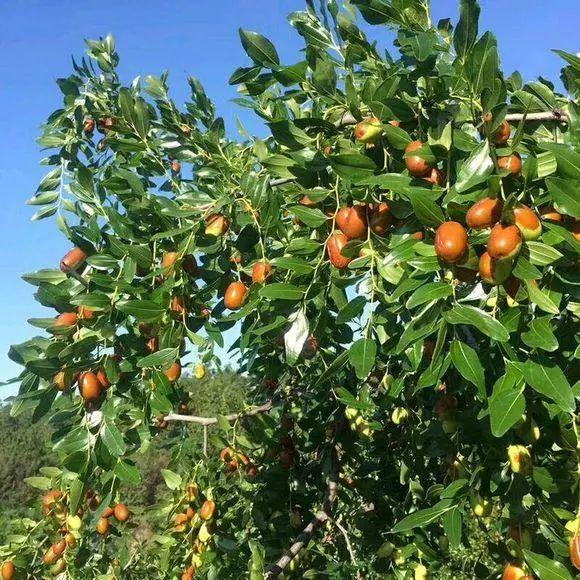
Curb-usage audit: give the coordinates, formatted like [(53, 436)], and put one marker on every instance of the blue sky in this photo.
[(38, 37)]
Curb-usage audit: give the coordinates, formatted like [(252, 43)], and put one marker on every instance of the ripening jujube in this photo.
[(121, 512), (235, 296), (261, 272), (73, 259), (451, 242), (528, 222), (512, 163), (380, 219), (504, 242), (173, 372), (484, 213), (334, 247), (352, 221), (502, 134), (416, 165), (90, 386)]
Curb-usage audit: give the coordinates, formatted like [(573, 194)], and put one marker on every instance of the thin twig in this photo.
[(306, 535), (206, 421), (346, 539)]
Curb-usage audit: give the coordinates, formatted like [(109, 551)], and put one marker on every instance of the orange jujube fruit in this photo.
[(261, 272), (451, 242), (334, 249), (236, 294), (90, 386), (513, 163), (528, 222), (380, 219), (504, 242), (484, 213), (173, 372), (501, 135), (416, 165), (352, 221), (73, 259)]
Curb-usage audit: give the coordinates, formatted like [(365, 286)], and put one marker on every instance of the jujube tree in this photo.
[(398, 261)]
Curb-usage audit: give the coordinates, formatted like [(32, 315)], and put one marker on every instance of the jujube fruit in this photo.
[(528, 222), (368, 131), (575, 551), (8, 570), (416, 165), (49, 557), (103, 526), (73, 259), (548, 213), (175, 166), (178, 305), (103, 379), (435, 177), (501, 135), (334, 248), (451, 242), (235, 296), (484, 213), (66, 319), (261, 272), (85, 313), (121, 512), (504, 242), (513, 572), (380, 219), (513, 163), (352, 222), (216, 225), (310, 348), (108, 512), (59, 547), (89, 125), (207, 510), (168, 262), (493, 271), (173, 372), (90, 386), (189, 265)]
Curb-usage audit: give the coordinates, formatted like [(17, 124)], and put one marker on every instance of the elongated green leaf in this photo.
[(113, 439), (292, 263), (159, 358), (549, 380), (568, 159), (542, 254), (172, 480), (428, 292), (479, 319), (311, 216), (475, 169), (540, 335), (566, 194), (143, 310), (466, 361), (545, 568), (351, 310), (127, 473), (362, 355), (259, 49), (423, 517), (507, 403), (281, 291), (452, 521), (352, 166), (540, 299)]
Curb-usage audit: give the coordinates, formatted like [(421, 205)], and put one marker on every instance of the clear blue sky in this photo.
[(199, 37)]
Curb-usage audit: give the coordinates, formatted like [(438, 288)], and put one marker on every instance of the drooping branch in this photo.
[(207, 421), (347, 119), (308, 532)]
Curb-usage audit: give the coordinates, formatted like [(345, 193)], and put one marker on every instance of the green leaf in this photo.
[(172, 480), (43, 483), (333, 368), (160, 358), (540, 335), (475, 169), (281, 291), (507, 403), (466, 31), (429, 292), (567, 158), (423, 517), (541, 300), (352, 166), (481, 320), (259, 49), (566, 195), (425, 208), (297, 265), (542, 254), (127, 473), (311, 216), (142, 310), (351, 310), (113, 439), (545, 568), (466, 361), (549, 380), (452, 522), (44, 277), (362, 355)]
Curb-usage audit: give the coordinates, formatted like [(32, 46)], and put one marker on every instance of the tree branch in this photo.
[(347, 119), (308, 532), (207, 421)]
